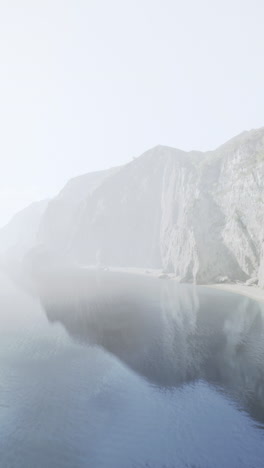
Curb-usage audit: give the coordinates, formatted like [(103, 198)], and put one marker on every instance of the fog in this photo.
[(122, 369), (168, 333), (88, 85), (131, 234)]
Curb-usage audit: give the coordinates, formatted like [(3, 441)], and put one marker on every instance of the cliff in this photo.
[(199, 215), (20, 234)]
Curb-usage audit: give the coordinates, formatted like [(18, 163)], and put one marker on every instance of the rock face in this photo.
[(20, 234), (199, 215), (63, 214)]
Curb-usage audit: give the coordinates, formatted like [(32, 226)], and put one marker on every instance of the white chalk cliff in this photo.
[(200, 215)]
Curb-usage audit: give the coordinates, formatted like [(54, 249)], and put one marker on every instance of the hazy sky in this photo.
[(88, 84)]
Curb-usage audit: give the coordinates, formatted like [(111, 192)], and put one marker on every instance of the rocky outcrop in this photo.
[(223, 219), (199, 215)]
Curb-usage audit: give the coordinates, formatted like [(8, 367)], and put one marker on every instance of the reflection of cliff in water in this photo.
[(168, 333)]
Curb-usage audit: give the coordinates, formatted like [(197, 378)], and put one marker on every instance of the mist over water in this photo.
[(131, 194), (107, 369)]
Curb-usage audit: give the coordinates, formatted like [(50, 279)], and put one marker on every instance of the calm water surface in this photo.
[(110, 370)]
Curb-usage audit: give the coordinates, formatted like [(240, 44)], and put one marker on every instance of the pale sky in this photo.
[(87, 85)]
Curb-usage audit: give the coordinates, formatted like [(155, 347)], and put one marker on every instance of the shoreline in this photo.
[(253, 292)]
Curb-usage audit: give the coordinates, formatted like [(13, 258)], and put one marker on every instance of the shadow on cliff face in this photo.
[(170, 334), (214, 258)]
